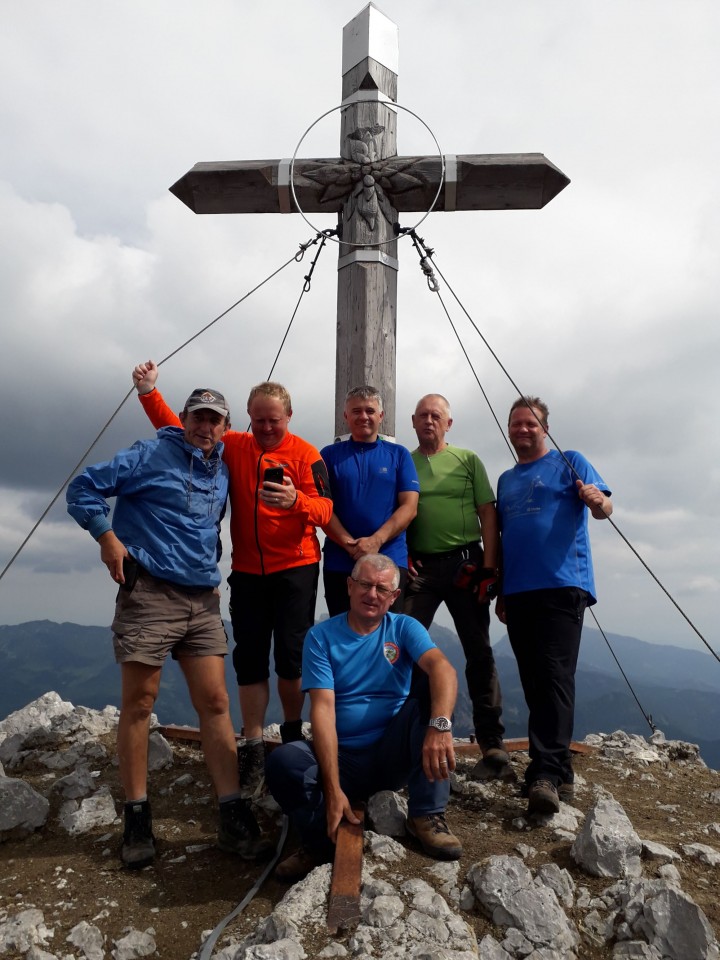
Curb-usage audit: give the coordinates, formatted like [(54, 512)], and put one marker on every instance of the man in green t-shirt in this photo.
[(452, 545)]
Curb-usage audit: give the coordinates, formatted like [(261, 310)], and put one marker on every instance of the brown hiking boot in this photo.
[(434, 836), (566, 792), (543, 797), (298, 865), (496, 756)]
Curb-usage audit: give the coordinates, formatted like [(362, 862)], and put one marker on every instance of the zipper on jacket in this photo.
[(257, 519)]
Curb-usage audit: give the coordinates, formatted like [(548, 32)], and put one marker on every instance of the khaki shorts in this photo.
[(156, 618)]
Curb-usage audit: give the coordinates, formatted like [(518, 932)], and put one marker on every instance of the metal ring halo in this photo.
[(346, 106)]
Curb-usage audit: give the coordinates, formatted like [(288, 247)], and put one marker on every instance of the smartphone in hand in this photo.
[(273, 475)]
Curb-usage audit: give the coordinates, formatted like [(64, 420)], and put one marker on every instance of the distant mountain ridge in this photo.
[(678, 687)]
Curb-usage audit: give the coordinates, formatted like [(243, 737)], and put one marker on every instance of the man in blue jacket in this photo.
[(162, 548)]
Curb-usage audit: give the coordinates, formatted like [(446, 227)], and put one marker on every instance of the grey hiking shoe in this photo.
[(251, 769), (239, 833), (138, 846)]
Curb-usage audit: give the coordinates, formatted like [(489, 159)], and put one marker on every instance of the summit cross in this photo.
[(368, 186)]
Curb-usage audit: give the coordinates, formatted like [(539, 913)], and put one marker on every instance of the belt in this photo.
[(183, 588), (448, 554)]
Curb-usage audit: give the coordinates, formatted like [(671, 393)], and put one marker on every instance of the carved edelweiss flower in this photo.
[(369, 184)]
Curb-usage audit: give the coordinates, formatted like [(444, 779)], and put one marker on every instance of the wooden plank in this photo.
[(462, 748), (192, 735), (465, 749), (344, 904)]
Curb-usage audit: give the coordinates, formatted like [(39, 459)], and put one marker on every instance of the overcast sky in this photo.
[(604, 303)]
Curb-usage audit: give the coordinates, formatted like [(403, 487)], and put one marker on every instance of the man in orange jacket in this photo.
[(275, 554)]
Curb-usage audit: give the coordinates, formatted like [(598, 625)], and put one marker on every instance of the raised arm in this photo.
[(145, 376), (159, 413)]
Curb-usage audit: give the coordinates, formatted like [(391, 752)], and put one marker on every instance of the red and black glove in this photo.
[(487, 584)]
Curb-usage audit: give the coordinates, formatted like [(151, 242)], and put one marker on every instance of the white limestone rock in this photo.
[(39, 713), (22, 809), (658, 851), (73, 786), (382, 848), (505, 889), (88, 938), (23, 931), (95, 811), (702, 853), (160, 753), (388, 812), (607, 845), (134, 944), (559, 880)]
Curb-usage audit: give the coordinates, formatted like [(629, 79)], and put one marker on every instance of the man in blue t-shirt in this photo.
[(375, 495), (547, 582), (368, 734)]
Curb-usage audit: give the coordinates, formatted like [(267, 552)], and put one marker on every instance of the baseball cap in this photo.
[(204, 399)]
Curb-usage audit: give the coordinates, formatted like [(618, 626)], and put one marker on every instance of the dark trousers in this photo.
[(271, 608), (337, 597), (423, 596), (293, 777), (544, 628)]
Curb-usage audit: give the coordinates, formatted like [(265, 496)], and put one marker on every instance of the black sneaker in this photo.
[(543, 797), (238, 832), (251, 768), (138, 846)]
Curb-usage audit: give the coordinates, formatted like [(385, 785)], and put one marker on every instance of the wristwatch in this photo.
[(443, 724)]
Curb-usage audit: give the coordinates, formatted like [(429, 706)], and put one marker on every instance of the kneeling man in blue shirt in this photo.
[(368, 734)]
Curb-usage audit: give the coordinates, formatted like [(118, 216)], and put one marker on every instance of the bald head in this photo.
[(431, 421)]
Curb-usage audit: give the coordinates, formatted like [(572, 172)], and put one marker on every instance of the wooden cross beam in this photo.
[(368, 186)]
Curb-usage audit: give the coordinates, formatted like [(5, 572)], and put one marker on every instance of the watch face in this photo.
[(441, 723)]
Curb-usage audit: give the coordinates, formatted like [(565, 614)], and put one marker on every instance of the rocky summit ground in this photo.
[(669, 796)]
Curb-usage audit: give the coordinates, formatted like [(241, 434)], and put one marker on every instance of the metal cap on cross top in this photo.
[(367, 212)]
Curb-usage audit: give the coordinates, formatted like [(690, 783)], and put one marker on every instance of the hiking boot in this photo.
[(298, 865), (251, 769), (543, 797), (496, 756), (238, 832), (291, 731), (566, 792), (138, 846), (434, 836)]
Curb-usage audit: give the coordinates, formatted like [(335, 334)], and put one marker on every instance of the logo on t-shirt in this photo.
[(391, 651)]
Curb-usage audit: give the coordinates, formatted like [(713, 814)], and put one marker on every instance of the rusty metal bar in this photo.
[(344, 905)]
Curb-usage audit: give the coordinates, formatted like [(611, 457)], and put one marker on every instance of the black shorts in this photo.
[(279, 605)]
